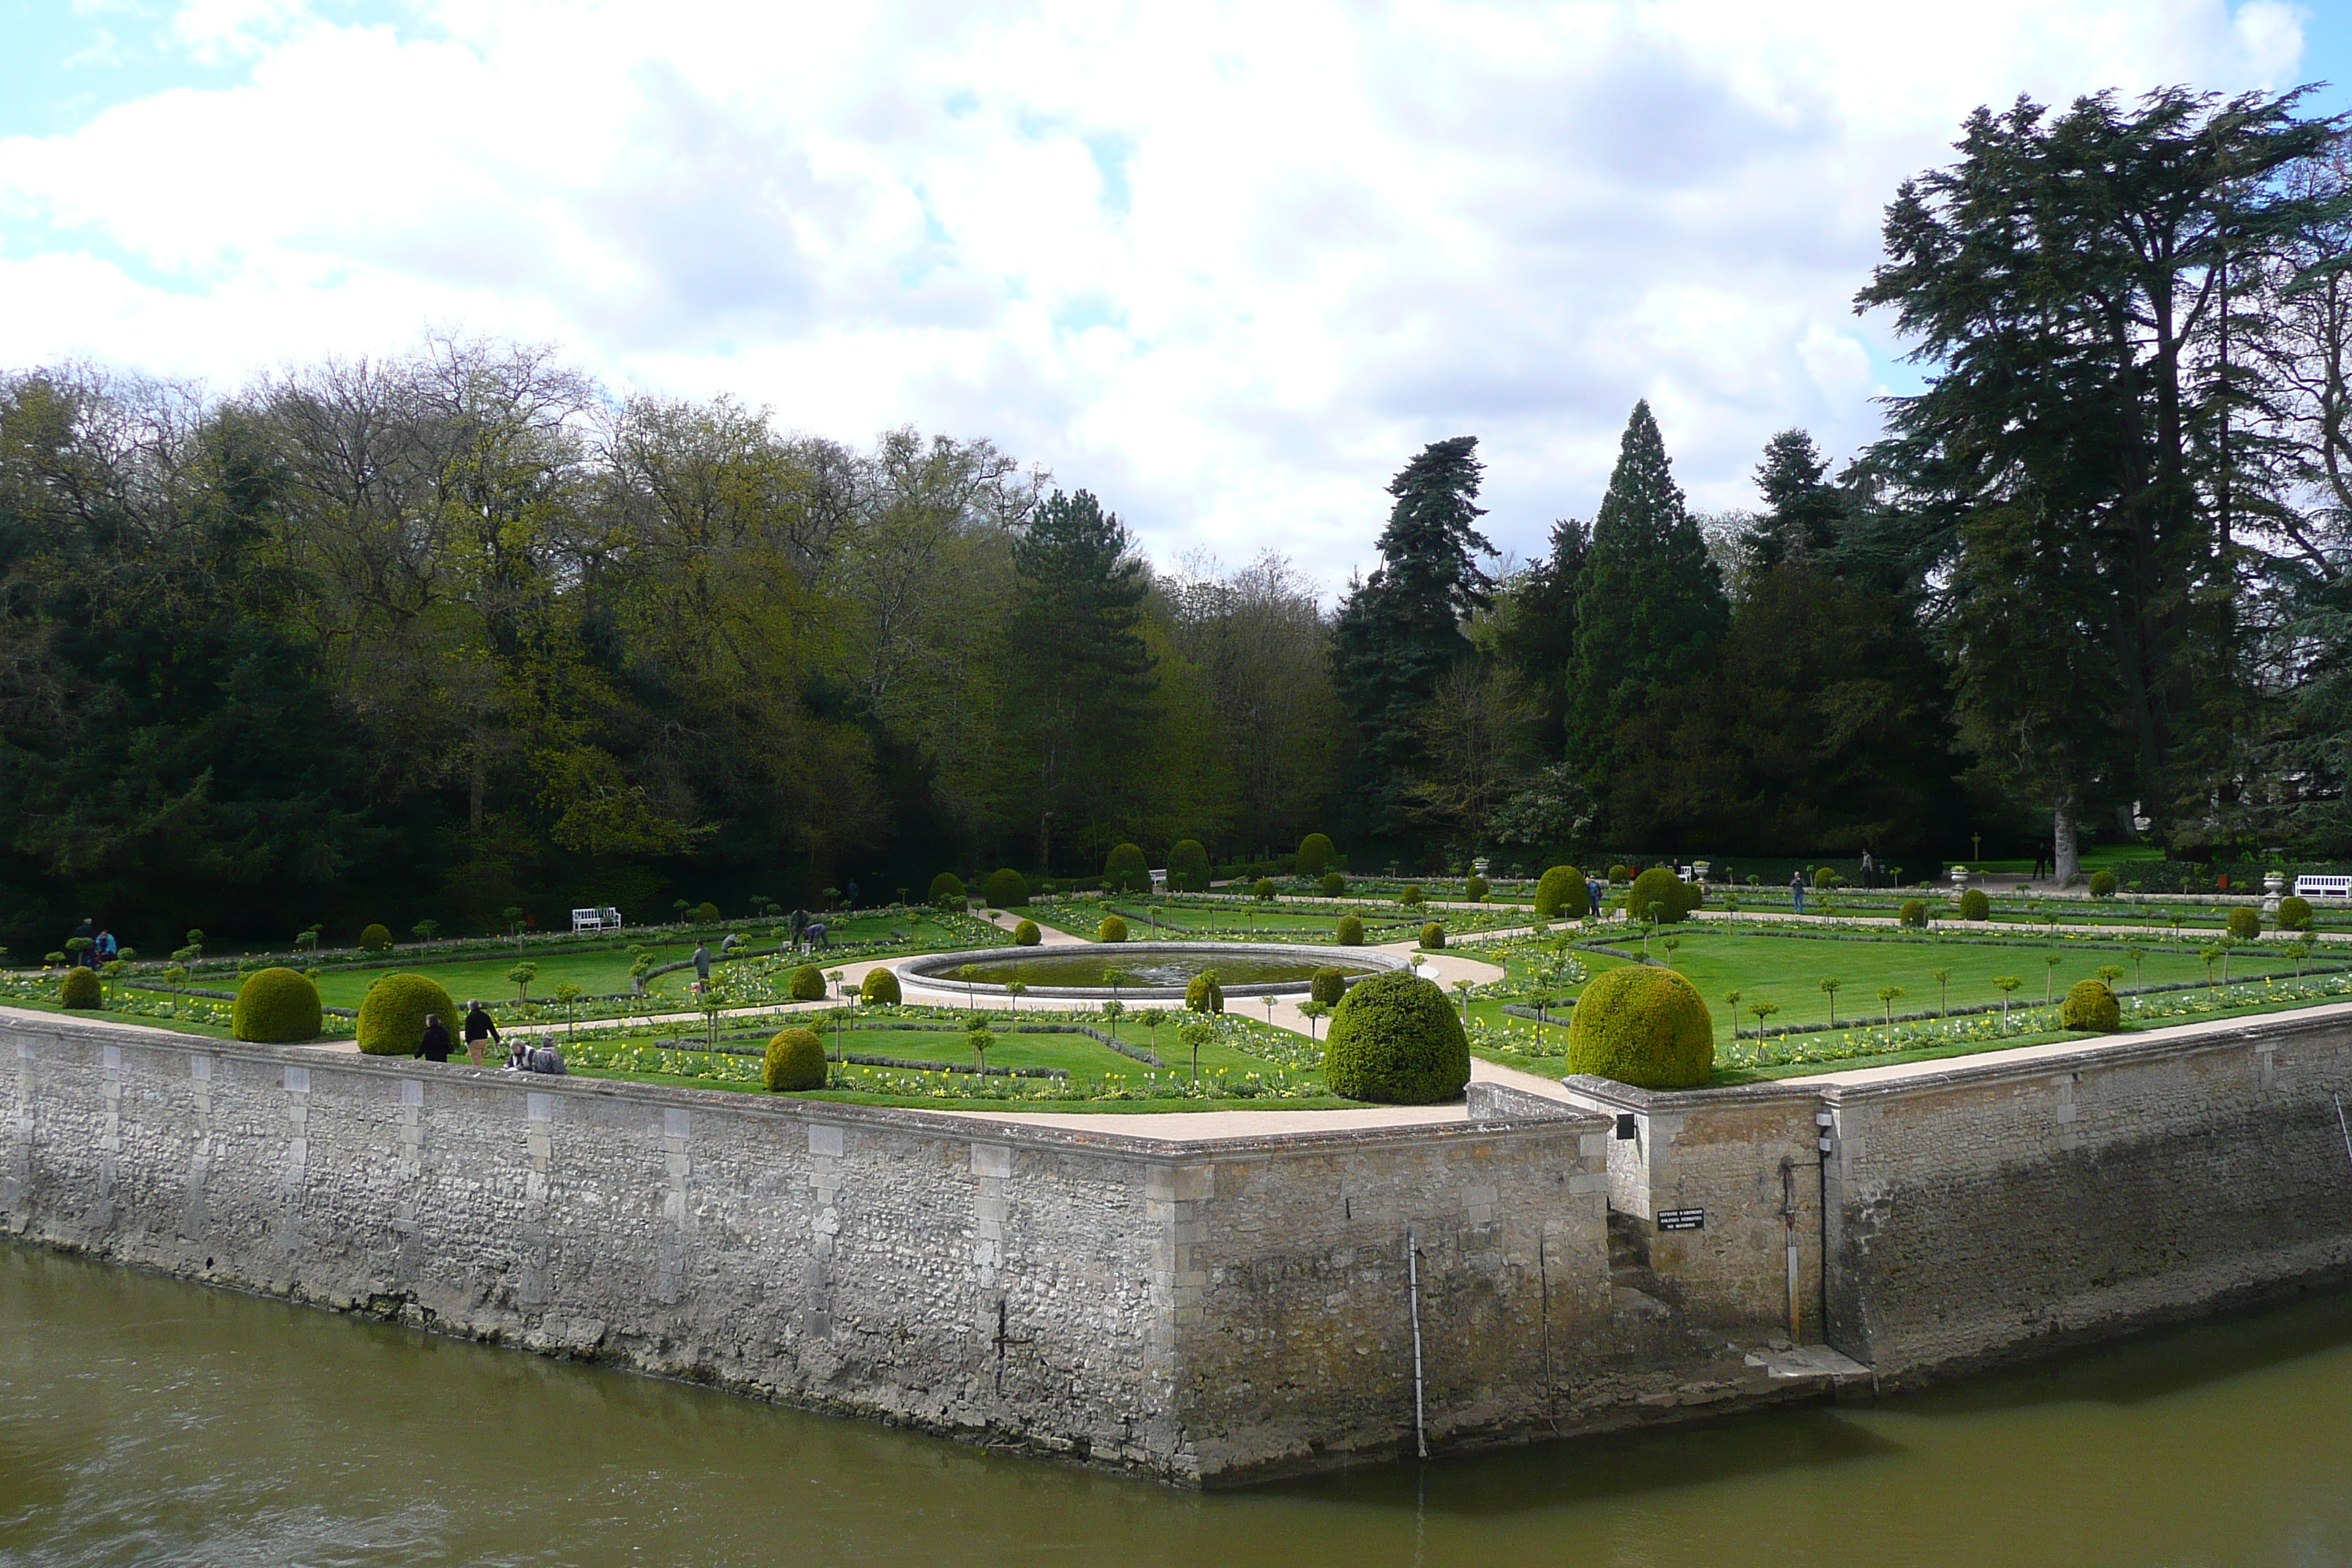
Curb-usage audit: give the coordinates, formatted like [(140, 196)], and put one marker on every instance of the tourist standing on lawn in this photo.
[(702, 964), (434, 1045), (479, 1027), (1797, 891)]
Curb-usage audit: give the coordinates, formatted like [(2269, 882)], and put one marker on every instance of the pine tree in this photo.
[(1083, 676), (1400, 629), (1651, 605), (1535, 630)]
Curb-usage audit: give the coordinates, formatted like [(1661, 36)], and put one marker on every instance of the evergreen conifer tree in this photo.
[(1651, 605), (1400, 629), (1082, 676), (1805, 510)]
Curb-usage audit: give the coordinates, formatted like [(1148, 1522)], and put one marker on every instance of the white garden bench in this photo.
[(2322, 887), (605, 918)]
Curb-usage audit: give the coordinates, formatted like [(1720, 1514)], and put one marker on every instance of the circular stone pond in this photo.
[(1147, 970)]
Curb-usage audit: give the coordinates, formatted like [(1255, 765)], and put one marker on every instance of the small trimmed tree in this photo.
[(2245, 925), (1112, 928), (1315, 855), (276, 1006), (374, 938), (1914, 913), (1432, 936), (2103, 884), (80, 990), (1350, 933), (946, 892), (2294, 913), (391, 1013), (795, 1062), (880, 988), (1007, 890), (1411, 897), (1975, 906), (1644, 1026), (1026, 934), (1659, 895), (1395, 1040), (1477, 889), (1188, 867), (807, 983), (1328, 985), (1204, 995), (1334, 884), (1560, 890), (2090, 1004), (1124, 870), (1263, 890)]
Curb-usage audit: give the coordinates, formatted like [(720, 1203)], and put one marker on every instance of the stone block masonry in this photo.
[(1205, 1312)]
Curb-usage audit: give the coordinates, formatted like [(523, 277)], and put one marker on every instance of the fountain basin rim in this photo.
[(928, 968)]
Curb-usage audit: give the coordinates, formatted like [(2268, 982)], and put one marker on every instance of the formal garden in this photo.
[(1728, 982)]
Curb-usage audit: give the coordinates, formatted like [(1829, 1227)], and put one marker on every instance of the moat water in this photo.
[(144, 1421)]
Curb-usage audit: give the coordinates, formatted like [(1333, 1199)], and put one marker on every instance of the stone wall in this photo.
[(1980, 1208), (1200, 1311)]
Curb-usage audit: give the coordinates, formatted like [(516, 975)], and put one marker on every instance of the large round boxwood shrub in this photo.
[(2245, 925), (1112, 928), (879, 989), (795, 1060), (1314, 853), (1975, 906), (1561, 890), (374, 938), (1432, 936), (1204, 995), (1411, 896), (80, 989), (808, 984), (1124, 870), (1659, 895), (1188, 867), (1395, 1040), (276, 1007), (2294, 914), (1007, 890), (1350, 931), (2103, 884), (1328, 987), (1026, 934), (1334, 884), (1477, 887), (1263, 890), (946, 892), (1643, 1026), (2089, 1004), (706, 913), (391, 1013), (1913, 913)]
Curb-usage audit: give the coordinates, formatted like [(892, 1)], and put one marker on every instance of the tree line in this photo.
[(461, 631)]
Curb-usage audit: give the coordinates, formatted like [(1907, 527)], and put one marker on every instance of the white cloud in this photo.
[(1229, 265)]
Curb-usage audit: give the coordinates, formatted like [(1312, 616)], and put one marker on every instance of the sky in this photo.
[(1227, 266)]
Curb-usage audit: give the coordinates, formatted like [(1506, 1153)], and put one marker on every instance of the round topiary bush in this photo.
[(2103, 884), (1026, 934), (1658, 894), (808, 984), (391, 1013), (2294, 914), (1411, 897), (1621, 873), (1432, 936), (795, 1061), (1559, 892), (1124, 870), (1263, 890), (706, 913), (375, 938), (1975, 906), (276, 1007), (2245, 925), (2089, 1004), (1204, 995), (1314, 853), (1913, 913), (1395, 1040), (1112, 928), (1007, 890), (1350, 932), (1478, 889), (80, 989), (1328, 987), (1334, 884), (879, 989), (947, 891), (1643, 1026), (1188, 867)]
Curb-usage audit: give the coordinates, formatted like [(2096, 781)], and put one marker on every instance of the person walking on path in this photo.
[(1592, 897), (1797, 891), (479, 1027), (434, 1045)]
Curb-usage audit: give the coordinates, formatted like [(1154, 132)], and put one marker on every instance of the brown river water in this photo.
[(147, 1420)]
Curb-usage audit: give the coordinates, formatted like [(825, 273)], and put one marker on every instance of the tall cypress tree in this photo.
[(1651, 605), (1400, 629)]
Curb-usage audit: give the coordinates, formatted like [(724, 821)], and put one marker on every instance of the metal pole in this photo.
[(1412, 1286), (1789, 1224)]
